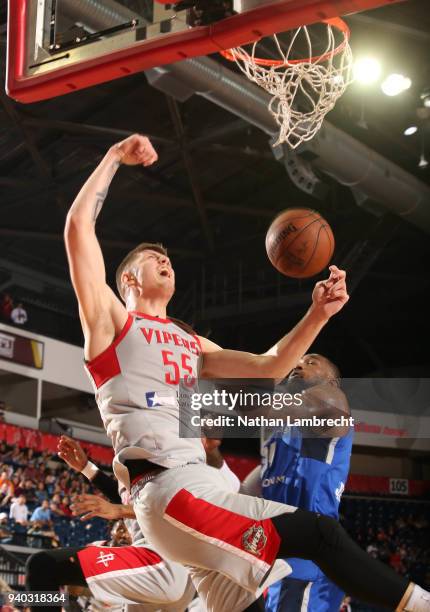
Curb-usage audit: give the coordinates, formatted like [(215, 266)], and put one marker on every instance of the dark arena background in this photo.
[(209, 200)]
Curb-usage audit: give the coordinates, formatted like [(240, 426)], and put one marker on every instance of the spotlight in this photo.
[(423, 163), (366, 70), (426, 101), (425, 97), (395, 84), (410, 130)]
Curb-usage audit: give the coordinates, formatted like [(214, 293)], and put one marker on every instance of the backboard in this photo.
[(59, 46)]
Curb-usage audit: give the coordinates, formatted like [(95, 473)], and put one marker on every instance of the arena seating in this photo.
[(392, 530), (26, 469)]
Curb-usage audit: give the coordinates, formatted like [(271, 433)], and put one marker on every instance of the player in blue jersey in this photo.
[(308, 469)]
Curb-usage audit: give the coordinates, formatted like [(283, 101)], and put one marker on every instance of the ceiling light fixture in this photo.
[(423, 163), (425, 97), (395, 84)]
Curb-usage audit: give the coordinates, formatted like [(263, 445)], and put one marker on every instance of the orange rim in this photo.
[(336, 22)]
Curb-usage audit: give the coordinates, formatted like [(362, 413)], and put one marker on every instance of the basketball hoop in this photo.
[(313, 84)]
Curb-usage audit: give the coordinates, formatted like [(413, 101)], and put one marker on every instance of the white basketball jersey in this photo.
[(136, 382)]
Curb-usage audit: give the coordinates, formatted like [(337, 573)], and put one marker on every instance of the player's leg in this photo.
[(294, 595), (298, 592), (135, 575), (114, 575), (192, 520), (47, 570), (319, 538), (330, 593), (217, 592), (201, 526)]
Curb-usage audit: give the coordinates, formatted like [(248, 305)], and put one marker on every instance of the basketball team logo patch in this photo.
[(254, 540), (105, 558)]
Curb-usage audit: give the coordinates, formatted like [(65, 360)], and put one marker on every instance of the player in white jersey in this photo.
[(167, 583), (136, 574), (127, 572), (136, 357)]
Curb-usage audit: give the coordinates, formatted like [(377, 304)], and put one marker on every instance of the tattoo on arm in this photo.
[(101, 195), (100, 198)]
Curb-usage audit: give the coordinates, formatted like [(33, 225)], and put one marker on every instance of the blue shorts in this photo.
[(306, 589)]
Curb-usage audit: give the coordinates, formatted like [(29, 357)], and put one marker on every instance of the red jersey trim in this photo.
[(106, 365), (151, 318), (195, 336), (226, 526), (115, 342), (98, 560)]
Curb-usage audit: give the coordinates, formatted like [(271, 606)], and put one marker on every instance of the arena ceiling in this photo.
[(210, 200)]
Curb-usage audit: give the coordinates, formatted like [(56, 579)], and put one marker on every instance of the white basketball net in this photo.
[(317, 83)]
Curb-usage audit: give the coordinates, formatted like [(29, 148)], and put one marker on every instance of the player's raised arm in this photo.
[(328, 298), (99, 309)]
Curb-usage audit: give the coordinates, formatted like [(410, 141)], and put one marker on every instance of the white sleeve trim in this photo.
[(90, 470)]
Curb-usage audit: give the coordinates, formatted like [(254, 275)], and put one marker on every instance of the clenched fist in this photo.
[(135, 150)]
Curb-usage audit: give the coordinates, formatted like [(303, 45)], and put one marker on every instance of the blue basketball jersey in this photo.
[(309, 473)]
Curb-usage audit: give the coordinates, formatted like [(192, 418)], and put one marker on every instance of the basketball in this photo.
[(299, 242)]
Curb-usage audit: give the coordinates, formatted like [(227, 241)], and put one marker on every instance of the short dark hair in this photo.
[(130, 257)]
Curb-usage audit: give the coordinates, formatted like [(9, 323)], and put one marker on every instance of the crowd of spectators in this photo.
[(405, 546), (36, 494), (11, 312), (395, 532)]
